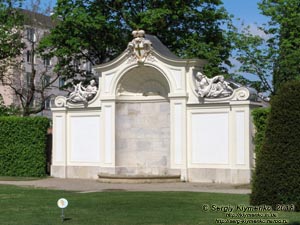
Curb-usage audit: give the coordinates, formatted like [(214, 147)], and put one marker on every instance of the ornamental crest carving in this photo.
[(139, 49)]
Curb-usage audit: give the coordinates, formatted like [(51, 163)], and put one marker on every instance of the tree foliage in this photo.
[(8, 110), (277, 173), (274, 56), (10, 22), (256, 56), (11, 44), (99, 30), (285, 34), (28, 83)]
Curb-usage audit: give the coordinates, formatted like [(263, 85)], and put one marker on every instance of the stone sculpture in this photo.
[(139, 48), (83, 94), (215, 87)]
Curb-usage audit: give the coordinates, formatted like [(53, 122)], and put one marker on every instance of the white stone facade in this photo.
[(147, 118)]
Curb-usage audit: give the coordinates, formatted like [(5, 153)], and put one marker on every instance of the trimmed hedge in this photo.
[(277, 174), (260, 117), (22, 148)]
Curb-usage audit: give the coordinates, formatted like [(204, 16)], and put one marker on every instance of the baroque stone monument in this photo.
[(150, 113)]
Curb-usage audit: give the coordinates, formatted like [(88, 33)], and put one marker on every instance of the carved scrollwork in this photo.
[(60, 101), (242, 94)]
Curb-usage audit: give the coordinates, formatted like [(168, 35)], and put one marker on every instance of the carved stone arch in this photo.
[(143, 81), (142, 134)]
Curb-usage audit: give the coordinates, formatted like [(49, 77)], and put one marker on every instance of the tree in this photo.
[(256, 56), (277, 173), (285, 34), (276, 56), (10, 21), (8, 110), (23, 70), (10, 34), (98, 31)]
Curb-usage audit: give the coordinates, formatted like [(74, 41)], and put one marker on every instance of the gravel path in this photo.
[(85, 186)]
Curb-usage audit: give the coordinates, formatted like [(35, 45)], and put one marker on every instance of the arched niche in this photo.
[(142, 123), (143, 82)]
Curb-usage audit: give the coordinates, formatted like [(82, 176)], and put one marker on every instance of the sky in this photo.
[(246, 10), (248, 13)]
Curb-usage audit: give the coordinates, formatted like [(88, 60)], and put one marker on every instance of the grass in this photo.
[(27, 206)]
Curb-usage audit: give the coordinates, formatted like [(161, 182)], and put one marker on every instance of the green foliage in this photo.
[(277, 172), (284, 32), (8, 110), (274, 55), (260, 117), (23, 143), (256, 57), (10, 20), (98, 31)]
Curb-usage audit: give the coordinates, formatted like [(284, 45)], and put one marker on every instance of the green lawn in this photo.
[(38, 207)]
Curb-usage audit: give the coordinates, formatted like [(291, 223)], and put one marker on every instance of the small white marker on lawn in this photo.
[(62, 203)]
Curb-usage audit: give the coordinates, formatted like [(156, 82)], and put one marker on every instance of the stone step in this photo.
[(134, 179)]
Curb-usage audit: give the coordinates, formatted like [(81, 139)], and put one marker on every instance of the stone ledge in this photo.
[(116, 178)]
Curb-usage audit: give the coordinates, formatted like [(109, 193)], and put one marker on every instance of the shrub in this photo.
[(277, 173), (260, 117), (23, 143)]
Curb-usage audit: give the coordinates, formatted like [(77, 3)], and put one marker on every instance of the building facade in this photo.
[(154, 114), (18, 79)]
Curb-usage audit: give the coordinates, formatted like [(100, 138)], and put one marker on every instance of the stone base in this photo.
[(203, 175), (228, 176), (91, 172), (135, 179), (149, 171), (139, 175), (82, 172)]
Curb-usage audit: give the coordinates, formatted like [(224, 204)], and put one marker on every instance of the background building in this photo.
[(33, 70)]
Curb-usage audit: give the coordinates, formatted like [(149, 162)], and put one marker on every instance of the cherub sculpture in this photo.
[(215, 87), (83, 94)]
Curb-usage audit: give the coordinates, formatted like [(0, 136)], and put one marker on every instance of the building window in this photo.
[(28, 78), (29, 56), (87, 66), (61, 82), (47, 103), (47, 61), (46, 81), (76, 64), (31, 34), (32, 103)]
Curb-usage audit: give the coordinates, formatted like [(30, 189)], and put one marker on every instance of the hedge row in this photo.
[(22, 148), (277, 174), (260, 117)]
